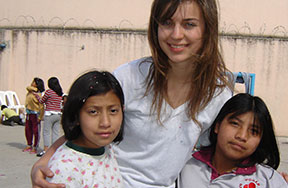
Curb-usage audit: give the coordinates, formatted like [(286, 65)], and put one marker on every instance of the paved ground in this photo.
[(15, 165)]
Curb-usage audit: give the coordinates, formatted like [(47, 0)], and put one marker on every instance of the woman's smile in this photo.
[(177, 47)]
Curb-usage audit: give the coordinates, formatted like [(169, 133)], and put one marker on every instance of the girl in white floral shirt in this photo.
[(92, 119)]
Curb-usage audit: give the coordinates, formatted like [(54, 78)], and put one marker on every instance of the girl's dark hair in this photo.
[(39, 84), (210, 69), (53, 83), (89, 84), (267, 151)]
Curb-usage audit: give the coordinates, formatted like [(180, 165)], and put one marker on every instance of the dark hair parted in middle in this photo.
[(89, 84), (267, 151)]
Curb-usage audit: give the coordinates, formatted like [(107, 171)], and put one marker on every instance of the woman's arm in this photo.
[(44, 98), (285, 176), (40, 170)]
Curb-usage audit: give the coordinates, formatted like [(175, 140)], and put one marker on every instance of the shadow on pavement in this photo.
[(16, 145)]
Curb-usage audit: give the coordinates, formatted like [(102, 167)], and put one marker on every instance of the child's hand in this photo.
[(38, 175), (285, 176)]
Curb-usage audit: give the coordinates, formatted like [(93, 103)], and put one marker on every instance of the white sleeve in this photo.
[(276, 180)]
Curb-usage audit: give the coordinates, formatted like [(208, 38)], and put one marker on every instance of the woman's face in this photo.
[(181, 36)]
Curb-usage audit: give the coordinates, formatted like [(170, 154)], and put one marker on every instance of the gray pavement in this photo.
[(15, 165)]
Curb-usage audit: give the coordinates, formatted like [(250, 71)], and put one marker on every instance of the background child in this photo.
[(11, 116), (243, 151), (53, 109), (34, 114), (91, 120)]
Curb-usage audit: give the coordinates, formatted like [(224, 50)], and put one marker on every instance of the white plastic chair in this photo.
[(2, 98), (14, 102)]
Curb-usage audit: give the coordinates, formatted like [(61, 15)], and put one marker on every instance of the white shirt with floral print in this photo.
[(79, 167)]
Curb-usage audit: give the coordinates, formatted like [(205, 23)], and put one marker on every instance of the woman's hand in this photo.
[(38, 175), (40, 170)]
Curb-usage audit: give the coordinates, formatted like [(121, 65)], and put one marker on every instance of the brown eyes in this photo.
[(114, 111), (111, 111), (254, 129)]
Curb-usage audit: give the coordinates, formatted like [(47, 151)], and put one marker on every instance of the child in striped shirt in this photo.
[(52, 116)]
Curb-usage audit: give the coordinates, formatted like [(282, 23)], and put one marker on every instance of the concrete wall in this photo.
[(244, 16), (64, 54), (74, 13), (69, 37), (267, 58)]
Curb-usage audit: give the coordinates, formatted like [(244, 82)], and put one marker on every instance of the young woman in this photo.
[(171, 98), (243, 151), (92, 119)]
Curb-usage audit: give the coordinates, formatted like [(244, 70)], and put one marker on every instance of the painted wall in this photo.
[(67, 38), (63, 54), (244, 16), (74, 13), (267, 58)]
